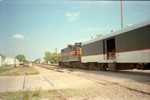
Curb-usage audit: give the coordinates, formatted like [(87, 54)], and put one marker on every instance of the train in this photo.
[(126, 48)]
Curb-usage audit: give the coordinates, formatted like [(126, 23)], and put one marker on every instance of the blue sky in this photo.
[(31, 27)]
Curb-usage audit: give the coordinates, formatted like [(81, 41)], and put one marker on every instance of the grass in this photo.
[(55, 64), (5, 68), (21, 71), (37, 92), (26, 96), (11, 96), (41, 94), (71, 92)]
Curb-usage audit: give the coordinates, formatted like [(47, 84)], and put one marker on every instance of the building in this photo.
[(6, 60), (2, 58), (0, 61), (42, 60)]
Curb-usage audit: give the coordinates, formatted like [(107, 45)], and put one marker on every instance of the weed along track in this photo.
[(61, 94), (57, 69)]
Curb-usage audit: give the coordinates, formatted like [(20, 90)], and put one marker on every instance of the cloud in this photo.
[(135, 14), (129, 25), (72, 16), (94, 29), (18, 36)]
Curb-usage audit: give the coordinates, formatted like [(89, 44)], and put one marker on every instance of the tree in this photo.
[(52, 57), (21, 58), (55, 57), (47, 56)]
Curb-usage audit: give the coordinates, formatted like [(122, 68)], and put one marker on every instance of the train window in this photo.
[(74, 49), (78, 48), (111, 48)]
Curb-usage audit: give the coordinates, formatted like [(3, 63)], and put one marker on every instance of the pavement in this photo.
[(46, 80), (11, 83)]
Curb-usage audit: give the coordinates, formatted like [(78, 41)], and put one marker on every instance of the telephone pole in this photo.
[(56, 50), (121, 13)]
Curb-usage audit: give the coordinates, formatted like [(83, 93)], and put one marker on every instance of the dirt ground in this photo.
[(102, 87), (20, 71), (77, 84)]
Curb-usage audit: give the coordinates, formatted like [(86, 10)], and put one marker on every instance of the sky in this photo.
[(32, 27)]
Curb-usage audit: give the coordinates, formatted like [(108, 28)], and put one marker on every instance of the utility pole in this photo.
[(56, 50), (121, 14)]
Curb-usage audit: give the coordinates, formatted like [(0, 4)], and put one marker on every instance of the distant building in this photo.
[(16, 61), (2, 58), (6, 60), (42, 60), (0, 61)]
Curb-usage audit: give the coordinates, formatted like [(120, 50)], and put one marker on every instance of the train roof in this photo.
[(76, 43), (126, 29)]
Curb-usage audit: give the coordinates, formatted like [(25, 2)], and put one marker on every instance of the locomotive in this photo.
[(126, 48)]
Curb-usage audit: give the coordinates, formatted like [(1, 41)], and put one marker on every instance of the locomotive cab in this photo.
[(77, 52)]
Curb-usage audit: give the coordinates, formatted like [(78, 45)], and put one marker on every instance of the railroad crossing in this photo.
[(125, 83)]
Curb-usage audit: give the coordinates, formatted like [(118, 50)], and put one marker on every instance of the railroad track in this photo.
[(59, 69), (117, 74), (51, 84), (60, 93), (23, 86)]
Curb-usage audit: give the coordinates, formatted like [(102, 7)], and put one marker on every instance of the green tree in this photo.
[(55, 57), (52, 57), (21, 58), (47, 56)]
